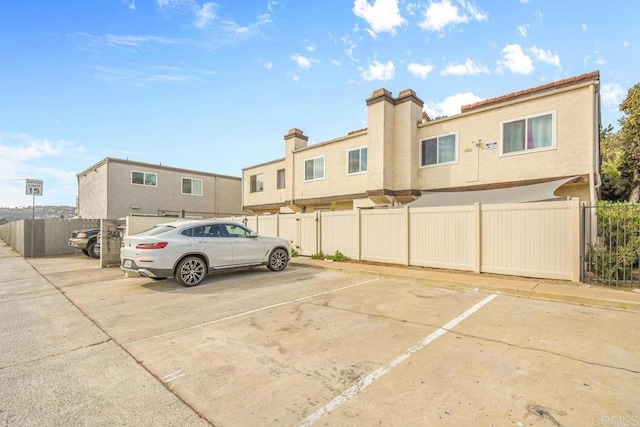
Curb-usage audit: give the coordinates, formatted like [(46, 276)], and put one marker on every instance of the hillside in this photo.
[(15, 214)]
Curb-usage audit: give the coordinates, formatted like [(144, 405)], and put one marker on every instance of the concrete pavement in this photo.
[(576, 293), (58, 367)]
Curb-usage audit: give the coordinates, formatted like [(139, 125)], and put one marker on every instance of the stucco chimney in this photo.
[(297, 137)]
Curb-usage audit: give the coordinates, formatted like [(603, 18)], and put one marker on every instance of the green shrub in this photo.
[(618, 249), (294, 249), (612, 265), (338, 256)]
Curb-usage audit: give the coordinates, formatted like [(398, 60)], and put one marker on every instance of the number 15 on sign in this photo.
[(34, 187)]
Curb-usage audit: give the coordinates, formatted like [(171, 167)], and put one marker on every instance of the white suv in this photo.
[(188, 250)]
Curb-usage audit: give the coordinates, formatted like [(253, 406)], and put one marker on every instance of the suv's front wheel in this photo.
[(92, 251), (278, 260)]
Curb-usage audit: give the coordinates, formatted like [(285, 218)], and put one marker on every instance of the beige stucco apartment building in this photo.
[(115, 188), (536, 144)]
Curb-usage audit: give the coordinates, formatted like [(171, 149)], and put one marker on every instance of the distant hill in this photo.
[(15, 214)]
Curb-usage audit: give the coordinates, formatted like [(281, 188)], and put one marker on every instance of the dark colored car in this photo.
[(86, 240)]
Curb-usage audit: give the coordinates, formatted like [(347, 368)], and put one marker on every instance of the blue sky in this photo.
[(215, 85)]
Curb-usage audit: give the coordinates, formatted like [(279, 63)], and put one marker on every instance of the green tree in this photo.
[(616, 186), (630, 141)]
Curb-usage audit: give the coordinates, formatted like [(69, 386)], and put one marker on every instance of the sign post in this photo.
[(33, 188)]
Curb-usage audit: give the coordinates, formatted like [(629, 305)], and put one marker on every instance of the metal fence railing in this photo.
[(611, 244)]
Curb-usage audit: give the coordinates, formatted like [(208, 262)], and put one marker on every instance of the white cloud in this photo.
[(295, 77), (545, 56), (451, 104), (379, 71), (468, 68), (171, 3), (439, 15), (302, 61), (350, 46), (420, 70), (523, 30), (584, 27), (612, 94), (382, 15), (205, 15), (515, 60), (233, 28), (270, 5), (24, 156), (131, 4), (268, 65), (525, 1), (311, 47)]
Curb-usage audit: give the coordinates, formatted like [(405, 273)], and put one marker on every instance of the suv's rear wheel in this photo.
[(278, 260), (190, 271)]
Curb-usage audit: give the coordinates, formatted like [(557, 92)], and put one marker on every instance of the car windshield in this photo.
[(158, 229)]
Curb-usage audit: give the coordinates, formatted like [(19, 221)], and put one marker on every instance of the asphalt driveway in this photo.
[(306, 346)]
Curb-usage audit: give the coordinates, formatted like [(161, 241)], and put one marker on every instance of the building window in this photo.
[(531, 133), (192, 186), (144, 178), (357, 161), (440, 150), (281, 182), (257, 183), (314, 169)]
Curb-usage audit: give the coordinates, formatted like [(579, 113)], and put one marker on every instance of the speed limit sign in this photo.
[(34, 187)]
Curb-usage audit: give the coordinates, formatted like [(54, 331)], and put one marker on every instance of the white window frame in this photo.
[(529, 150), (192, 180), (144, 178), (324, 167), (259, 178), (436, 137), (359, 150)]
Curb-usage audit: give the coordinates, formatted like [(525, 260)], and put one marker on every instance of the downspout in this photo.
[(594, 170)]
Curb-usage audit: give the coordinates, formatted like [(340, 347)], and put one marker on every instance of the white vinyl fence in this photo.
[(525, 239)]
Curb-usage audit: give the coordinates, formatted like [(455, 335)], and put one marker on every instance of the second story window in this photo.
[(144, 178), (257, 183), (192, 186), (529, 134), (281, 181), (314, 169), (439, 150), (357, 161)]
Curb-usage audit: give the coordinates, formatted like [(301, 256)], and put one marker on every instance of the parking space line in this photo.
[(234, 316), (378, 373), (173, 376)]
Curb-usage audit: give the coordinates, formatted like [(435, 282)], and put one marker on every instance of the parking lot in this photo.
[(314, 346)]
